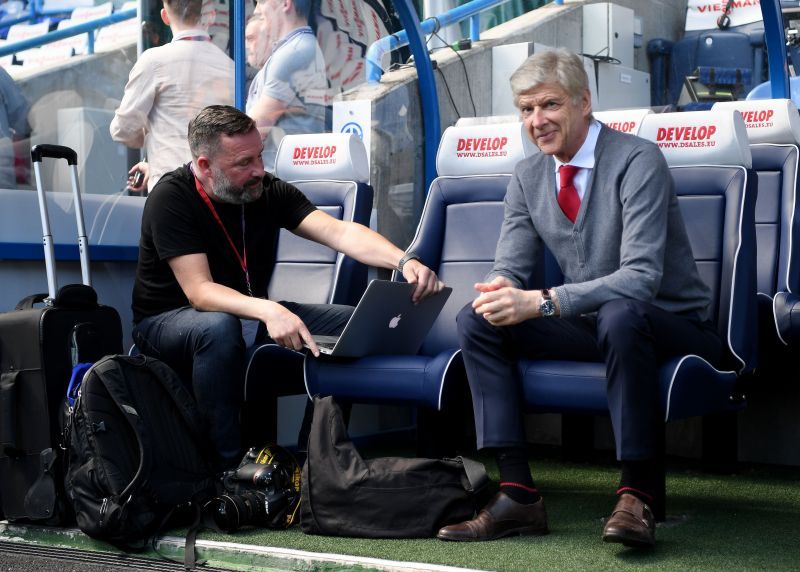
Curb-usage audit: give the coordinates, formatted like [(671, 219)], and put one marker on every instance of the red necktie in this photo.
[(568, 198)]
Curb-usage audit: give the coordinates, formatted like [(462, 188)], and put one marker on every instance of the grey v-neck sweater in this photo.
[(629, 240)]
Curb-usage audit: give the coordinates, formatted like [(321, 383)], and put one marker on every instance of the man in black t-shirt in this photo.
[(207, 246)]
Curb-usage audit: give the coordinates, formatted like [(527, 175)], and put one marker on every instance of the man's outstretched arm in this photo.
[(369, 247)]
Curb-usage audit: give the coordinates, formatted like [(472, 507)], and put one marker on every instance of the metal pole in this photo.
[(776, 48), (239, 57), (431, 123)]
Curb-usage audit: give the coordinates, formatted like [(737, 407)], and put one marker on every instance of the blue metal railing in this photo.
[(87, 27), (34, 12), (239, 55), (431, 121), (392, 42), (776, 48)]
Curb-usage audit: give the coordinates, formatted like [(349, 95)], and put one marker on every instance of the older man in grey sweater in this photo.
[(603, 204)]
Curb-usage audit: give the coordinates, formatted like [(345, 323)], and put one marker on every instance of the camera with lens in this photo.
[(264, 490)]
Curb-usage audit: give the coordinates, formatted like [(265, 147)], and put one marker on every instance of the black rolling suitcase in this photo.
[(38, 349)]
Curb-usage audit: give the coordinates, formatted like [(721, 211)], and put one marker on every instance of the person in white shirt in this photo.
[(289, 94), (167, 87), (14, 108)]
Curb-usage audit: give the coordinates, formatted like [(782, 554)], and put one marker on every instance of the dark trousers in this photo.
[(207, 350), (633, 338)]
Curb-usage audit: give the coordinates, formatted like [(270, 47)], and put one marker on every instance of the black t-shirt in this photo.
[(176, 221)]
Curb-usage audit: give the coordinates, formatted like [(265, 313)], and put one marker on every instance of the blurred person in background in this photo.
[(167, 87), (288, 94), (13, 125)]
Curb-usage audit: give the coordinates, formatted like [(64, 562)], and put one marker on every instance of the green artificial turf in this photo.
[(745, 521)]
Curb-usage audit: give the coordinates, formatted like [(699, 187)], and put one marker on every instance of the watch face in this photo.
[(547, 308)]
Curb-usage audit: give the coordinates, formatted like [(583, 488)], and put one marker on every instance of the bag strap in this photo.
[(28, 301), (122, 398), (173, 386), (476, 473), (200, 521)]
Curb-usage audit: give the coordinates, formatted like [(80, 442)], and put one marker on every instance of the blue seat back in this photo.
[(457, 233), (776, 166), (306, 271), (711, 200), (773, 129), (716, 190), (458, 236)]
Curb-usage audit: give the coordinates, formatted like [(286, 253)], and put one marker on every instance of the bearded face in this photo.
[(226, 191)]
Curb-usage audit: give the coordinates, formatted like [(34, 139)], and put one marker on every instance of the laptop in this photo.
[(385, 322)]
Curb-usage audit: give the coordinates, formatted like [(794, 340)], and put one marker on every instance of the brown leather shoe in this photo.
[(503, 516), (632, 523)]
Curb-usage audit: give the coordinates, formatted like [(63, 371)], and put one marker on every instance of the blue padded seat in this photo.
[(456, 237), (456, 213), (306, 271), (716, 191), (773, 128)]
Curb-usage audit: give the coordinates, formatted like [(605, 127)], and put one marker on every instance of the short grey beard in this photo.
[(228, 193)]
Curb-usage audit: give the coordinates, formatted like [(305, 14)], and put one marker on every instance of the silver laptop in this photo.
[(385, 321)]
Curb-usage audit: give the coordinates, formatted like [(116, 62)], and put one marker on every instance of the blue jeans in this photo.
[(207, 350)]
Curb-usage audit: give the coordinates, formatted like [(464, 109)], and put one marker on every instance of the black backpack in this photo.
[(136, 450), (390, 497)]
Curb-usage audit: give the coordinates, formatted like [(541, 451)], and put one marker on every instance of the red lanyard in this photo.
[(242, 258)]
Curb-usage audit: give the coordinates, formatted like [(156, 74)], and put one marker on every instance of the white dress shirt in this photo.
[(167, 87), (584, 159)]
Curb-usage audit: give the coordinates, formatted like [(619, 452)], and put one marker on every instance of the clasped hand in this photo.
[(503, 304)]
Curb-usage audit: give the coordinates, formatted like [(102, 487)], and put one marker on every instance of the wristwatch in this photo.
[(547, 308), (406, 257)]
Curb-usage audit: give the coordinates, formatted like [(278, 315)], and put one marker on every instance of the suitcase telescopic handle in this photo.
[(43, 150), (38, 153)]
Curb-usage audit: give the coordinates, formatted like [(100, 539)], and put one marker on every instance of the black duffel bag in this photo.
[(390, 497)]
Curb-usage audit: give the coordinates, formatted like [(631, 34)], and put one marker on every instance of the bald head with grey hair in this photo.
[(559, 66)]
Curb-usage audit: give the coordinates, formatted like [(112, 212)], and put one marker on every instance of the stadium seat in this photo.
[(78, 44), (729, 54), (332, 170), (625, 120), (773, 127), (456, 237), (119, 35), (19, 32), (716, 190)]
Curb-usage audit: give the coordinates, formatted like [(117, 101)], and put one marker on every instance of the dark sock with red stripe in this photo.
[(639, 479), (515, 475)]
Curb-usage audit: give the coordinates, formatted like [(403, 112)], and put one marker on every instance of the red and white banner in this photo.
[(703, 14)]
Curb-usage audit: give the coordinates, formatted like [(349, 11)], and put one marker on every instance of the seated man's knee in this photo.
[(468, 321), (221, 327), (618, 319)]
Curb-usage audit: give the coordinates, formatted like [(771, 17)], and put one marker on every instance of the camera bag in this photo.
[(343, 494), (136, 450)]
